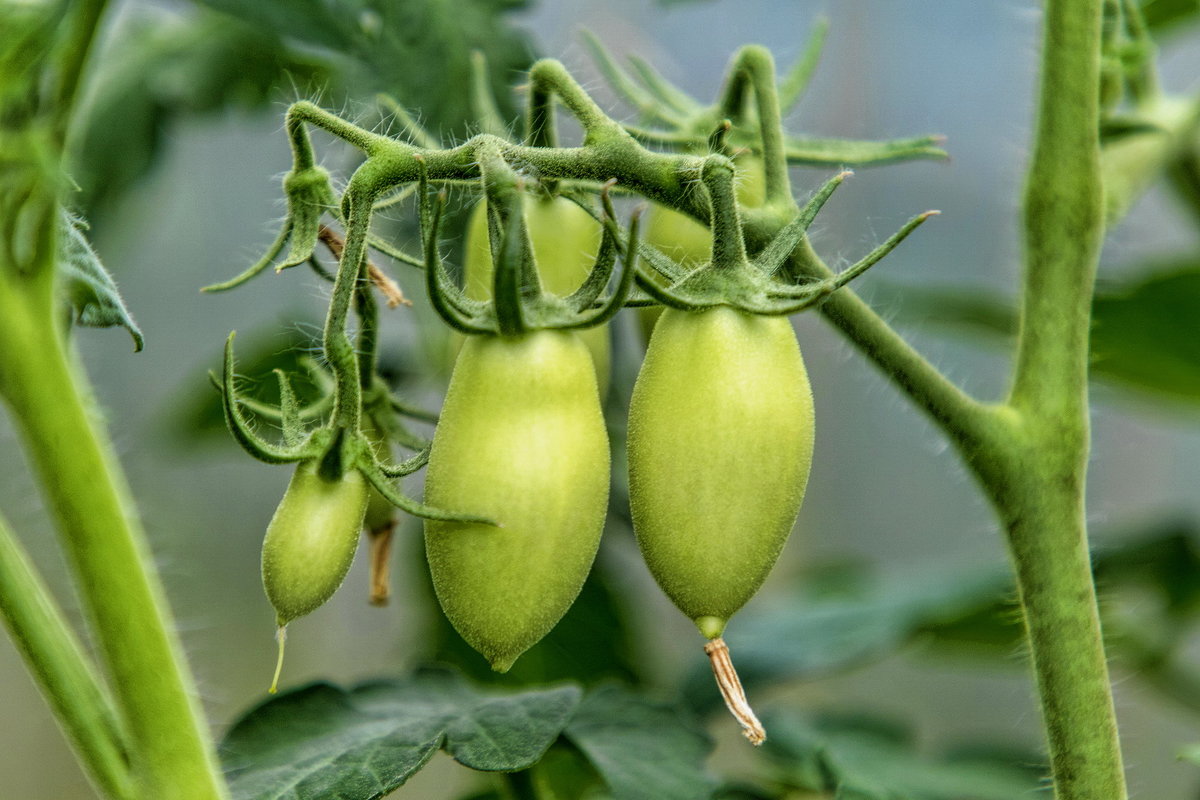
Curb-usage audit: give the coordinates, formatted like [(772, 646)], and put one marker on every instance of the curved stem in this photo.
[(754, 69)]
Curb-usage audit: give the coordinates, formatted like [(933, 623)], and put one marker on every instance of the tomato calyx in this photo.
[(519, 304), (731, 278), (337, 448)]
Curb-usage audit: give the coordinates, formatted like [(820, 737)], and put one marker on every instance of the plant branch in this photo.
[(169, 743), (63, 670), (1040, 491)]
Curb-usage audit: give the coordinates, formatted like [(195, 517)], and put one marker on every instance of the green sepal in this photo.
[(241, 429), (309, 196), (374, 474)]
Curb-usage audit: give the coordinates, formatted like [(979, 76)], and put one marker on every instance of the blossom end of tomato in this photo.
[(711, 627)]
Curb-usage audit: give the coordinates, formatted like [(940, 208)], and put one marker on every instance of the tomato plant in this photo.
[(531, 533)]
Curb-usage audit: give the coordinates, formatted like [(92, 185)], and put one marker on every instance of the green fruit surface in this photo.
[(311, 540), (520, 440), (720, 445), (565, 242)]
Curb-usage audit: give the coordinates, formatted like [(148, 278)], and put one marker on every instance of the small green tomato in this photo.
[(720, 445), (521, 440), (311, 540)]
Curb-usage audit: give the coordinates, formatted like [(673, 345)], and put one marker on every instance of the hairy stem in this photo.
[(1042, 498), (63, 671), (170, 745)]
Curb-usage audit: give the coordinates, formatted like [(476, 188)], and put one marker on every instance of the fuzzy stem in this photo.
[(1042, 502), (754, 69), (52, 410), (350, 282), (63, 670)]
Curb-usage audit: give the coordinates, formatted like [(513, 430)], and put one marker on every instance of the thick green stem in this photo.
[(170, 745), (63, 671), (1040, 495)]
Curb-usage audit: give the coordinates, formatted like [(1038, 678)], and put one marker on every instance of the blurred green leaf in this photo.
[(643, 750), (159, 70), (1161, 15), (418, 51), (1191, 754), (564, 773), (1143, 333), (87, 288), (814, 632), (361, 744), (869, 760)]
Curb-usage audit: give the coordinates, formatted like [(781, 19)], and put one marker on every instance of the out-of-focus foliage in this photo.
[(865, 759), (236, 54), (1143, 332)]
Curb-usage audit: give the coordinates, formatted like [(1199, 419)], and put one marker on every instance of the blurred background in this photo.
[(187, 192)]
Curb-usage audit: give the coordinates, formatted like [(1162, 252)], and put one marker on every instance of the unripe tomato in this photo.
[(720, 444), (311, 540), (565, 241), (520, 440), (689, 242)]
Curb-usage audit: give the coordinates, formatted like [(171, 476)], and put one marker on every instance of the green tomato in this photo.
[(565, 242), (311, 540), (689, 242), (521, 440), (720, 445)]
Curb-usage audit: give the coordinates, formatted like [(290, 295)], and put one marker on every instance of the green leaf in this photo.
[(868, 760), (814, 631), (1161, 15), (643, 750), (1143, 332), (418, 51), (163, 69), (321, 741), (1191, 754), (86, 286)]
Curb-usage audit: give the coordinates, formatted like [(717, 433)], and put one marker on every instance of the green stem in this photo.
[(168, 738), (63, 670), (754, 69), (1040, 493)]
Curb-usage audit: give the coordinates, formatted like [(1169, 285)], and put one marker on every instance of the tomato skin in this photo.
[(311, 540), (521, 439), (720, 445), (565, 242)]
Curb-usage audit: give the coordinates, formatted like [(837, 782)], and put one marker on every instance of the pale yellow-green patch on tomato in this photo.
[(311, 540), (565, 242), (720, 445), (520, 440)]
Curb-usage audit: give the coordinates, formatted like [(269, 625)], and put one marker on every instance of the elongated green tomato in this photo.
[(689, 242), (565, 241), (520, 440), (720, 445), (310, 543)]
